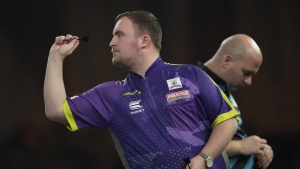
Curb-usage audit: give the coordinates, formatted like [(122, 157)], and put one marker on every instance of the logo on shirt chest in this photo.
[(174, 83), (178, 95), (136, 107), (131, 93)]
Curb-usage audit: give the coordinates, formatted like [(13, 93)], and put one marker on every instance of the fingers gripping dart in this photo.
[(84, 38)]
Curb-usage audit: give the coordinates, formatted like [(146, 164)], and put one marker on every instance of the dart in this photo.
[(85, 38)]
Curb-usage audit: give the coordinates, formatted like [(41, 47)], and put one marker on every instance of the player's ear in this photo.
[(145, 41)]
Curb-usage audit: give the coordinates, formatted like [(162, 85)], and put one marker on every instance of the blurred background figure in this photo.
[(235, 63)]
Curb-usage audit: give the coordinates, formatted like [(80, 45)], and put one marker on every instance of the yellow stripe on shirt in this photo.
[(68, 113), (227, 115)]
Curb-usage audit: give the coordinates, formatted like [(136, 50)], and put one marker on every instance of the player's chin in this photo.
[(115, 59)]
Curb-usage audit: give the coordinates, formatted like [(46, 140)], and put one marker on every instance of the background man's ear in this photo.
[(226, 60)]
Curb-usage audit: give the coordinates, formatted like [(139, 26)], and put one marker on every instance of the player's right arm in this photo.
[(54, 89)]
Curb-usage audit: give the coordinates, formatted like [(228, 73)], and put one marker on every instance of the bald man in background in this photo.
[(233, 66)]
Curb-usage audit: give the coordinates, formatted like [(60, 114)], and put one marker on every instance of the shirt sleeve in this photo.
[(225, 116), (93, 108), (215, 102)]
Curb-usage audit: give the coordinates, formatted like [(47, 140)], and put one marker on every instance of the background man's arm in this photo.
[(252, 145)]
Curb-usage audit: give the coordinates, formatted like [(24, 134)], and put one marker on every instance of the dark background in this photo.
[(192, 31)]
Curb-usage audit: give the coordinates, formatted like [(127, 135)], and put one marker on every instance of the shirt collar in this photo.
[(221, 83), (156, 65)]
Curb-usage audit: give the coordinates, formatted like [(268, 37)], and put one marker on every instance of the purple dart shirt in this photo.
[(158, 120)]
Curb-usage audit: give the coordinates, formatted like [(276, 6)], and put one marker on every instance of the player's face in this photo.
[(241, 72), (124, 44)]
